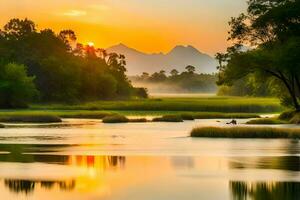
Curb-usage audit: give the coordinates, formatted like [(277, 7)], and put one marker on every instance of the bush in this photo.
[(2, 126), (141, 93), (168, 118), (16, 88)]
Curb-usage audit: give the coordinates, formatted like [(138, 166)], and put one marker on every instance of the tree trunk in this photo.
[(292, 92), (290, 87), (298, 84)]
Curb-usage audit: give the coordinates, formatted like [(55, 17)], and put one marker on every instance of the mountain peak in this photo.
[(178, 58), (181, 49)]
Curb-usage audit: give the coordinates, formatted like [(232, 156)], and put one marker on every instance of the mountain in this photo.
[(178, 58)]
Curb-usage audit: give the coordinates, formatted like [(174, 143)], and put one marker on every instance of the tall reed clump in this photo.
[(245, 132)]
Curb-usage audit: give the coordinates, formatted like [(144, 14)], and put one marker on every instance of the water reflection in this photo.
[(291, 163), (265, 190), (28, 186)]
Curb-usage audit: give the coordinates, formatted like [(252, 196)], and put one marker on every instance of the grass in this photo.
[(215, 115), (168, 118), (245, 132), (30, 119), (267, 121), (186, 108), (115, 119), (121, 119), (187, 116), (292, 117), (199, 104), (2, 126)]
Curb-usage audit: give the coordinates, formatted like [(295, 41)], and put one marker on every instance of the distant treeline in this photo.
[(187, 81), (49, 67)]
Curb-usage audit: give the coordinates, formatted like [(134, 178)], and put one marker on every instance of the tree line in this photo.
[(43, 66), (186, 81)]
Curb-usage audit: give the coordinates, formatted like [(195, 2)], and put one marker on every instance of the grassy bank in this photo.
[(267, 121), (202, 104), (30, 119), (245, 132), (121, 119)]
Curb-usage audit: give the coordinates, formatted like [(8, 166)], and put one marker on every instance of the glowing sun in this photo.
[(90, 44)]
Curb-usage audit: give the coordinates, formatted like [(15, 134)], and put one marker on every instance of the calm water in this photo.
[(85, 159)]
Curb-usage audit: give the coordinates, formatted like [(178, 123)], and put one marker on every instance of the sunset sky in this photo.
[(147, 25)]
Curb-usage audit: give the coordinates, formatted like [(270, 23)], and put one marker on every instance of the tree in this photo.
[(190, 69), (17, 28), (174, 72), (64, 70), (16, 88), (272, 29), (145, 76)]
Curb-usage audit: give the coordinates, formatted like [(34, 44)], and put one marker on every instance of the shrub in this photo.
[(2, 126)]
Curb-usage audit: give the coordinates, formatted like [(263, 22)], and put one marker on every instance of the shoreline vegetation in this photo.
[(287, 117), (191, 104), (246, 132), (163, 109)]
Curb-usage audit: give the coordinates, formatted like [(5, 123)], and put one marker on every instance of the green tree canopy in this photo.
[(16, 88), (272, 30)]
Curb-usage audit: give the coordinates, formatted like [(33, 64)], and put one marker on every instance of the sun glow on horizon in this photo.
[(91, 44)]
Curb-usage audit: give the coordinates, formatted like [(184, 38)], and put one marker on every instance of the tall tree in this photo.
[(272, 29)]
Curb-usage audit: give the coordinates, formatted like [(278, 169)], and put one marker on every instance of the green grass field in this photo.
[(195, 107), (191, 104)]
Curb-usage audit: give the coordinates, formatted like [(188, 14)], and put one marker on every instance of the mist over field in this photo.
[(172, 88)]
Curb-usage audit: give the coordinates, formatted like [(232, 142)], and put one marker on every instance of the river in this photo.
[(86, 159)]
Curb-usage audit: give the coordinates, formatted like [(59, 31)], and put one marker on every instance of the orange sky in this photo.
[(147, 25)]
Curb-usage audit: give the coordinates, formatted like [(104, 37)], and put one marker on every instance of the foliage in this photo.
[(64, 70), (248, 86), (272, 29), (16, 88)]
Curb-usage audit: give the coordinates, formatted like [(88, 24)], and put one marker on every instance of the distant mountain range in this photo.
[(178, 58)]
